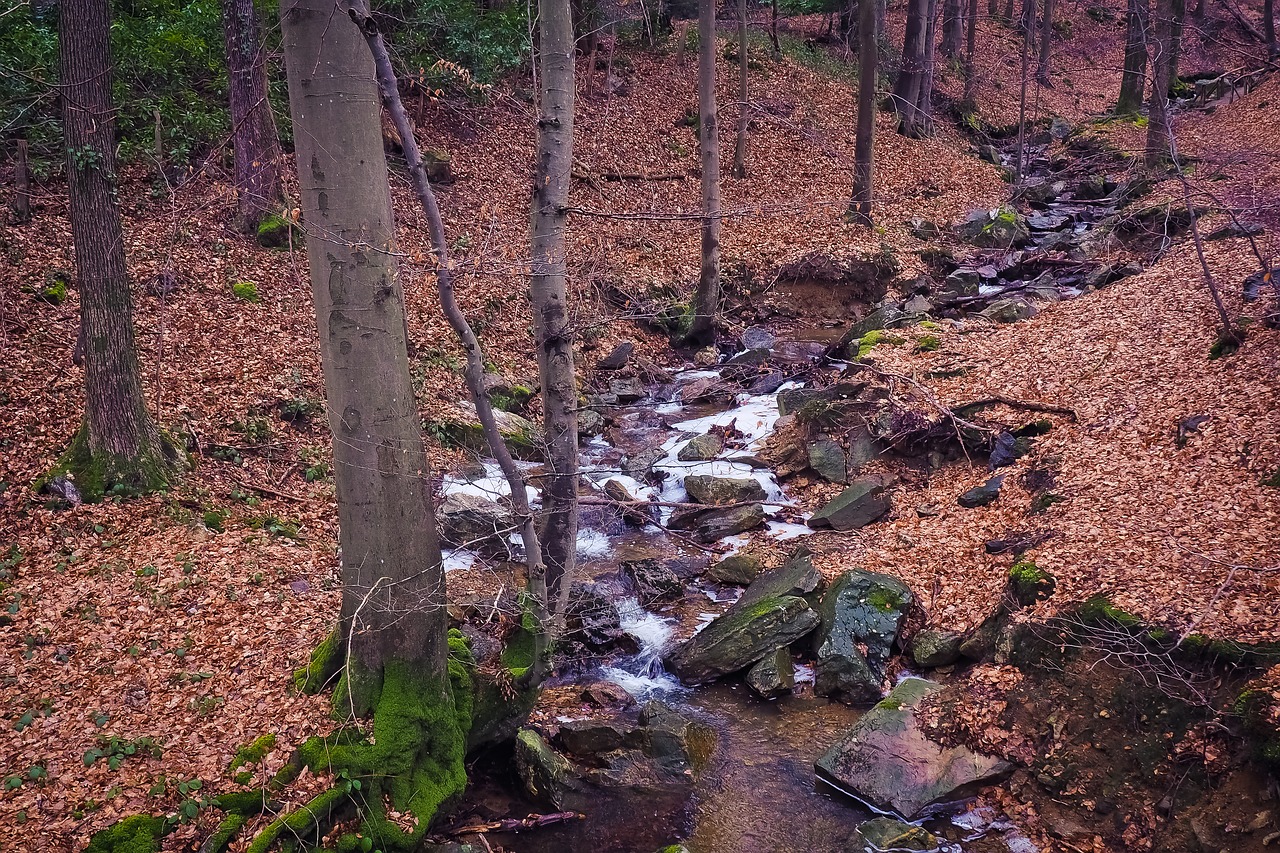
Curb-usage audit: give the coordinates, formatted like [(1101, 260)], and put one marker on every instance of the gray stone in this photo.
[(543, 770), (640, 463), (1000, 228), (590, 422), (862, 447), (884, 317), (592, 737), (933, 648), (797, 577), (468, 520), (1038, 191), (617, 357), (739, 569), (982, 495), (887, 760), (980, 642), (1236, 229), (655, 580), (774, 675), (861, 614), (627, 389), (757, 337), (963, 281), (1060, 128), (918, 304), (864, 502), (711, 524), (701, 448), (884, 834), (827, 458), (794, 399), (741, 636), (705, 489), (675, 743), (1009, 310), (1047, 221), (989, 154), (591, 616), (923, 229)]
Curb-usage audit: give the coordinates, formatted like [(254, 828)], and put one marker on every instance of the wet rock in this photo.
[(714, 523), (1236, 229), (1039, 191), (864, 502), (707, 390), (627, 389), (521, 435), (861, 614), (543, 770), (606, 694), (928, 510), (980, 642), (862, 447), (1006, 450), (739, 570), (757, 337), (1047, 221), (673, 741), (640, 463), (918, 304), (590, 423), (989, 154), (794, 399), (591, 616), (468, 520), (706, 356), (639, 515), (797, 577), (963, 281), (932, 648), (617, 357), (887, 760), (705, 489), (592, 737), (1009, 310), (827, 458), (774, 675), (784, 450), (701, 448), (884, 834), (1060, 128), (884, 317), (767, 383), (1000, 228), (982, 495), (654, 579), (741, 636)]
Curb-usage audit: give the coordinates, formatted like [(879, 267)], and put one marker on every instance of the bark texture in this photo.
[(906, 93), (744, 114), (924, 103), (1133, 80), (254, 140), (393, 585), (952, 28), (552, 325), (118, 446), (706, 302), (1028, 26), (21, 185), (970, 97), (1166, 22), (864, 141), (1269, 26), (1046, 44)]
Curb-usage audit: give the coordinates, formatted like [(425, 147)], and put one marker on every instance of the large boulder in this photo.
[(706, 489), (932, 648), (741, 636), (710, 524), (521, 435), (861, 614), (471, 521), (866, 500), (888, 761), (999, 228)]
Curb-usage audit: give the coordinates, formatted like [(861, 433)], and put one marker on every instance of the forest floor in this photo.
[(167, 627)]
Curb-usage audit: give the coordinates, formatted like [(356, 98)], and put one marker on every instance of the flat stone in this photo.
[(1047, 221), (864, 502), (739, 570), (827, 458), (982, 495), (701, 448), (705, 489), (1009, 310), (711, 524), (628, 389), (741, 636), (887, 760), (797, 577), (757, 337)]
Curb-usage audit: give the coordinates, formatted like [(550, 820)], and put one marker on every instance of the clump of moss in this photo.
[(1030, 583), (250, 754), (134, 834), (875, 337), (246, 290), (1100, 610), (103, 474), (883, 598), (928, 343), (1042, 502), (55, 290), (1272, 482), (324, 663), (274, 232), (226, 832), (513, 399)]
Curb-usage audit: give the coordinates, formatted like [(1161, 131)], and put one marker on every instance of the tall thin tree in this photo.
[(1028, 27), (952, 28), (744, 112), (970, 97), (255, 143), (906, 92), (1133, 79), (118, 446), (1164, 42), (864, 141), (706, 301), (1046, 45), (924, 103), (552, 323)]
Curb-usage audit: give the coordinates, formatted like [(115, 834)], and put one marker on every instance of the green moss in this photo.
[(414, 761), (1040, 503), (517, 654), (1100, 610), (928, 343), (324, 663), (246, 290), (928, 325), (1030, 583), (889, 705), (224, 834), (253, 752), (99, 475), (274, 232), (513, 399), (134, 834), (876, 336), (55, 292), (301, 823), (1230, 651), (883, 598), (242, 802)]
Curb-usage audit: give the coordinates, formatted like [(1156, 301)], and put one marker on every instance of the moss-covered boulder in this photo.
[(861, 615), (1001, 228), (701, 448), (1029, 583), (276, 232), (797, 576), (887, 760), (742, 636), (522, 437)]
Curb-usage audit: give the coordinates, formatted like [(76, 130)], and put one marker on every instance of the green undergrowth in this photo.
[(133, 834), (875, 337)]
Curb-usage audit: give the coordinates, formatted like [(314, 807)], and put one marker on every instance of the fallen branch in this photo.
[(1018, 404), (533, 821), (264, 490)]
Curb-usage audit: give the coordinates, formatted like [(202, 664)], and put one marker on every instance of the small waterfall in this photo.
[(642, 674)]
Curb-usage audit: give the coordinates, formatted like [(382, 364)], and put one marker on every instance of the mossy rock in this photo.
[(1030, 583), (1099, 610), (276, 232), (56, 288), (133, 834)]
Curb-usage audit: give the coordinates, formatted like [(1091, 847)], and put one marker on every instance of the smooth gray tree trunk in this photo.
[(706, 302), (970, 97), (906, 93), (1164, 41), (552, 324), (924, 106), (393, 588), (952, 28)]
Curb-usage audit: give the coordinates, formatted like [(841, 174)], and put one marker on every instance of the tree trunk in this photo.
[(1008, 10), (773, 29), (393, 588), (744, 113), (21, 185), (552, 325), (1133, 80), (253, 129), (993, 9), (1162, 40), (864, 142), (706, 302), (1046, 44), (970, 97), (118, 446), (1176, 12), (1269, 26), (952, 28), (924, 106), (906, 93), (1028, 29), (882, 8)]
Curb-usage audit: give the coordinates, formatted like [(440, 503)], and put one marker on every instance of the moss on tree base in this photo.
[(99, 475)]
